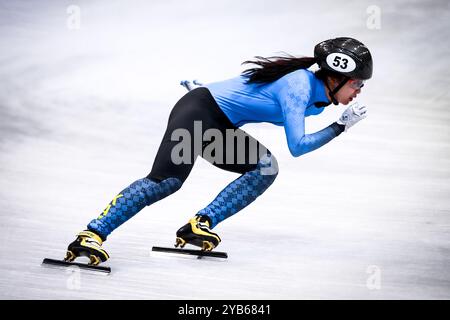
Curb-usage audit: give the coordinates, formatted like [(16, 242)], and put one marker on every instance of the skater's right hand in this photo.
[(352, 115)]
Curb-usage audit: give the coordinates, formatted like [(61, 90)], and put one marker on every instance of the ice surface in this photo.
[(82, 112)]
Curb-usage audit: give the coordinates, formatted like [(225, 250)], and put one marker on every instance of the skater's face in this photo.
[(349, 91)]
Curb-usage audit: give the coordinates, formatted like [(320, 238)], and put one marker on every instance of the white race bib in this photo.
[(341, 62)]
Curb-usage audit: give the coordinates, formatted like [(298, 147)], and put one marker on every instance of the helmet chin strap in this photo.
[(335, 90)]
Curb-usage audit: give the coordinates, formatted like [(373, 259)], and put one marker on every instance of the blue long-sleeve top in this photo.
[(284, 102)]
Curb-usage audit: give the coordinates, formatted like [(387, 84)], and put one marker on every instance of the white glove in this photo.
[(352, 115)]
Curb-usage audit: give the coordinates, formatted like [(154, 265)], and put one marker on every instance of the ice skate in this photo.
[(197, 233), (87, 244)]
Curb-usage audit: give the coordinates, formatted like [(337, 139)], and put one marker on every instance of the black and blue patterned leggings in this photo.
[(211, 136)]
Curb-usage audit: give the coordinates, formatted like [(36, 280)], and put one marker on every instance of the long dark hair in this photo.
[(273, 68)]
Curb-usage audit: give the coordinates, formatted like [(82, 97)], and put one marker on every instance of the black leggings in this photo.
[(196, 113)]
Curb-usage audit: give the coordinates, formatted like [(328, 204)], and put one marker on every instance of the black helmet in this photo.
[(346, 56)]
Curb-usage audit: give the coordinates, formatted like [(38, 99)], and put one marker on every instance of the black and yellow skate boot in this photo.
[(87, 244), (197, 233)]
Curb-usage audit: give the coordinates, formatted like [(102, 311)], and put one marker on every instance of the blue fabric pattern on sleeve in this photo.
[(294, 97)]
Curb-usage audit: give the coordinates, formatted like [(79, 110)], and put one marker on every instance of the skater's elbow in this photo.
[(297, 149)]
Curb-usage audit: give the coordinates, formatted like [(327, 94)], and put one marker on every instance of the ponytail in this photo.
[(273, 68)]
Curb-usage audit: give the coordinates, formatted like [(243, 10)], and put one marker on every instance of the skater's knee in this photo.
[(173, 184), (169, 185)]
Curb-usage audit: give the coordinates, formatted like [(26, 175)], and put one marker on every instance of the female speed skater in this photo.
[(279, 90)]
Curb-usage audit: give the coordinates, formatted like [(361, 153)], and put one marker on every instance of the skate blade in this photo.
[(85, 266), (198, 253)]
